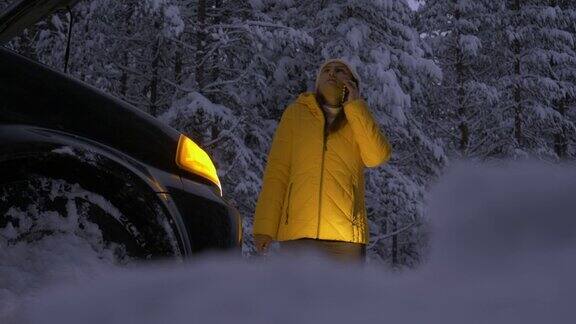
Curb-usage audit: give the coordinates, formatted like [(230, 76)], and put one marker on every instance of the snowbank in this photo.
[(503, 252), (43, 247)]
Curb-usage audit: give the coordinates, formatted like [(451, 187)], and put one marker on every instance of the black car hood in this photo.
[(25, 13)]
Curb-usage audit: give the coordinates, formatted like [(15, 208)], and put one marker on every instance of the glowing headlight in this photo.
[(191, 157)]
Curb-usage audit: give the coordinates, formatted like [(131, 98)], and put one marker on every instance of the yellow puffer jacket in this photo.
[(313, 185)]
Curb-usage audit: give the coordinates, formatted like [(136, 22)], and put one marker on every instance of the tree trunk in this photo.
[(218, 19), (200, 43), (516, 47), (461, 109), (125, 54), (394, 246), (154, 77), (178, 63), (560, 140)]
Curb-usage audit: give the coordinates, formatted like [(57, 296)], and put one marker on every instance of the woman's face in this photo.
[(330, 81)]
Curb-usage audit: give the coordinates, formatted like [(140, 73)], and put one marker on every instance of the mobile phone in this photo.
[(344, 94)]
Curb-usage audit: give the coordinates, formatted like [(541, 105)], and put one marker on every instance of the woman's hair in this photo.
[(355, 81), (340, 119)]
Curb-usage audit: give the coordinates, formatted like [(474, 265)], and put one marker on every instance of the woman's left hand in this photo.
[(353, 92)]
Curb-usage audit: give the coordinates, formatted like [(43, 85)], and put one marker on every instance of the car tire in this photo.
[(35, 206)]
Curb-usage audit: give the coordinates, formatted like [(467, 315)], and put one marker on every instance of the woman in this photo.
[(313, 188)]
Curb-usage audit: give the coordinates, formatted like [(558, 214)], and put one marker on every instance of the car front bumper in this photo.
[(210, 222)]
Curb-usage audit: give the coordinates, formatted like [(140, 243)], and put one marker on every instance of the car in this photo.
[(69, 148)]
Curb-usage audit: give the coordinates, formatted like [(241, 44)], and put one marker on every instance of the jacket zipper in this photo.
[(288, 203), (354, 209), (321, 177), (354, 195)]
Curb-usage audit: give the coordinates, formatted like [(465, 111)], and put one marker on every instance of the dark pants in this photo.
[(336, 250)]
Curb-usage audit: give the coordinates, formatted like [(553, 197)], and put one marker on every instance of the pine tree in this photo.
[(531, 45), (563, 70), (463, 110)]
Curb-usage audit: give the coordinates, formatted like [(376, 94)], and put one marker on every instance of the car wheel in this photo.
[(35, 207)]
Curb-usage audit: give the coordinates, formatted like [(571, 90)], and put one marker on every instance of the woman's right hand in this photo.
[(262, 242)]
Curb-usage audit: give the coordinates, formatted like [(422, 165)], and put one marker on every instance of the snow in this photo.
[(192, 104), (470, 44), (83, 154), (65, 150), (156, 4), (504, 237), (174, 25), (27, 267), (256, 4), (57, 23), (39, 248), (356, 35), (413, 4)]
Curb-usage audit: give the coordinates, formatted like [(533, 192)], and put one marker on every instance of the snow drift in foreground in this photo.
[(39, 247), (503, 251)]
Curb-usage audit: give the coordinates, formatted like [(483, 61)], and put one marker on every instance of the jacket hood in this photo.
[(308, 99), (339, 60)]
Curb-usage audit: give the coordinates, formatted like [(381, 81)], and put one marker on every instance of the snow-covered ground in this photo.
[(504, 240)]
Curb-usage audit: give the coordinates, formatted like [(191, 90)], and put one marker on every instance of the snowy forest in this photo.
[(447, 80)]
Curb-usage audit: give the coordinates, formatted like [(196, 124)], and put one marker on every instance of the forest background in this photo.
[(447, 80)]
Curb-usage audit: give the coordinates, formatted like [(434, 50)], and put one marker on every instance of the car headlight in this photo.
[(192, 158)]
